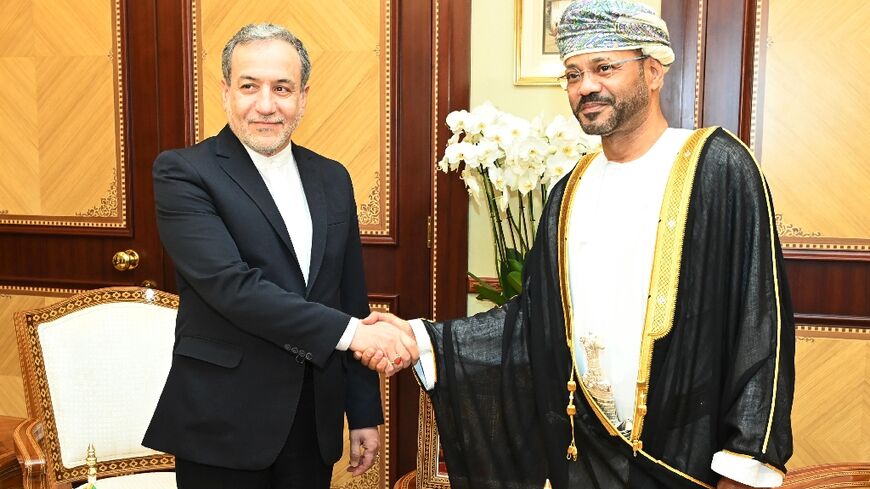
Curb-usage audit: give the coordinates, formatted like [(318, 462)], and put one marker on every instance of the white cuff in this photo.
[(425, 366), (347, 337), (745, 469)]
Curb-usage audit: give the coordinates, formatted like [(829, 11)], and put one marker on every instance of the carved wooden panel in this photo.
[(13, 299), (831, 413), (348, 116), (814, 116), (62, 114)]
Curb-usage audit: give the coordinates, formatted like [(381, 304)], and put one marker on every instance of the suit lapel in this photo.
[(309, 172), (236, 162)]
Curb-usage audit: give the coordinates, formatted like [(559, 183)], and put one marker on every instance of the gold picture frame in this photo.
[(536, 57)]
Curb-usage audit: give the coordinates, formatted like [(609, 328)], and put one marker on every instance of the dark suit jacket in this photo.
[(247, 324)]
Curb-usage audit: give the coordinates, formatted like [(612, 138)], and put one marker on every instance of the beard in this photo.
[(267, 145), (636, 102)]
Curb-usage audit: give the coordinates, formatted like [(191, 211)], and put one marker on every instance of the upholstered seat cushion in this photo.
[(145, 480)]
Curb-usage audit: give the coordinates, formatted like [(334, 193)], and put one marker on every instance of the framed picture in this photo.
[(536, 56)]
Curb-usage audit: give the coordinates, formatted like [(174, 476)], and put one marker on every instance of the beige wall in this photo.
[(492, 68)]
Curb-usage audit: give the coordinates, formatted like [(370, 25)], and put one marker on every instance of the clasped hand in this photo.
[(385, 343)]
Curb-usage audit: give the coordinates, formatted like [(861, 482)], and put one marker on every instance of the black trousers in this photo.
[(298, 466)]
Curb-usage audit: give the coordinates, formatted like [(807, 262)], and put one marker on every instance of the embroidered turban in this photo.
[(589, 26)]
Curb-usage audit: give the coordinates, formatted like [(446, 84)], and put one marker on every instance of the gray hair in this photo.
[(265, 32)]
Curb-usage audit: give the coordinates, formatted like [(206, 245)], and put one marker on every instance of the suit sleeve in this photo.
[(205, 254), (759, 385), (363, 389)]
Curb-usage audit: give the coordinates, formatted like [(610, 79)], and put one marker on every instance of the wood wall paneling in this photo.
[(828, 287), (833, 369), (812, 152), (63, 136), (348, 114)]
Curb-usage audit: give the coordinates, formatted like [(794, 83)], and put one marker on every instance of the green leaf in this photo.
[(515, 279), (515, 265), (487, 293), (513, 254)]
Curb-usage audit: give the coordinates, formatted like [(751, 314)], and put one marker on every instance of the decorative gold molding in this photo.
[(370, 211), (785, 229), (815, 331), (386, 162), (108, 206), (194, 34), (37, 291), (435, 126), (756, 64)]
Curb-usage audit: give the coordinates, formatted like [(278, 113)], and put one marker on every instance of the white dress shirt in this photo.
[(281, 175), (612, 236)]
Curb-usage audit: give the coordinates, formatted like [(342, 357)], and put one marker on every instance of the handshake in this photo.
[(385, 343)]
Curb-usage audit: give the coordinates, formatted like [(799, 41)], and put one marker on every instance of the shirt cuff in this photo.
[(745, 469), (347, 337), (425, 366)]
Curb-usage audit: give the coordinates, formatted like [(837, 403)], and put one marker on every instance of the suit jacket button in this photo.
[(308, 356), (294, 350), (287, 347)]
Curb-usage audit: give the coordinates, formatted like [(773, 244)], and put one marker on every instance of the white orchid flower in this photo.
[(472, 183), (528, 180), (562, 131), (456, 120), (496, 176), (474, 124), (532, 148), (489, 153), (559, 164), (486, 113), (459, 152)]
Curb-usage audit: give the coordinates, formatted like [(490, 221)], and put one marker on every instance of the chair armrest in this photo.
[(31, 457), (829, 476)]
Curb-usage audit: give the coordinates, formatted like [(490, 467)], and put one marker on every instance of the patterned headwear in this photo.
[(589, 26)]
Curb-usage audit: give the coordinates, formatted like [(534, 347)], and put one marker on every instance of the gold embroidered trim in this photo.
[(681, 474), (771, 231), (743, 455), (562, 243), (664, 279)]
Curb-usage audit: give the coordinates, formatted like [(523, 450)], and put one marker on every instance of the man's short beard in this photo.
[(623, 110), (249, 140)]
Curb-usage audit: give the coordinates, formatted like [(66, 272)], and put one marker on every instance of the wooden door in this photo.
[(86, 107)]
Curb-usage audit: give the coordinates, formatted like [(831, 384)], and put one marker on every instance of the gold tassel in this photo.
[(572, 410)]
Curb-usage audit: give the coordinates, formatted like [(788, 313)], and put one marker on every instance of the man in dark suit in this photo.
[(265, 240)]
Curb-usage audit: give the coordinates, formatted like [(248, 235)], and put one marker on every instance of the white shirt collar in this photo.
[(277, 160)]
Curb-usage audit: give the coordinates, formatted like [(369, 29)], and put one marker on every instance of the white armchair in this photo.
[(94, 366)]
